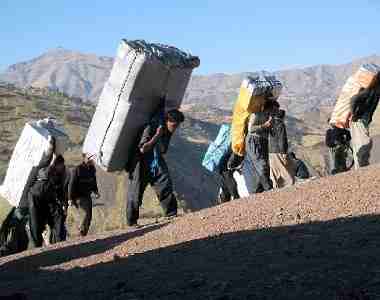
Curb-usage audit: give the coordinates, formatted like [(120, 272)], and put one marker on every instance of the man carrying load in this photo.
[(354, 109), (45, 199), (149, 166), (281, 169), (82, 184), (363, 105), (256, 169)]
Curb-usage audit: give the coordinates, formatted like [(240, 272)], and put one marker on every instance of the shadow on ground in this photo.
[(337, 259), (52, 257)]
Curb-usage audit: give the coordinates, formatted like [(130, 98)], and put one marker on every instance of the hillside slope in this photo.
[(317, 240), (196, 188)]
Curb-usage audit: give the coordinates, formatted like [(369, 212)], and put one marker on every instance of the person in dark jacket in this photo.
[(45, 206), (228, 184), (81, 185), (149, 165), (363, 105), (338, 141), (300, 169), (281, 169), (255, 169), (14, 237)]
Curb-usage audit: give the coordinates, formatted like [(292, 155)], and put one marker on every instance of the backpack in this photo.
[(218, 149), (337, 136)]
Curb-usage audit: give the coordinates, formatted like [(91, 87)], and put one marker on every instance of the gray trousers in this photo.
[(256, 170), (361, 144), (139, 178), (84, 212)]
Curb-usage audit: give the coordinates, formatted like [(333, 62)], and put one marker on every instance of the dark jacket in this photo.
[(150, 130), (301, 170), (364, 104), (82, 181), (278, 138), (45, 186)]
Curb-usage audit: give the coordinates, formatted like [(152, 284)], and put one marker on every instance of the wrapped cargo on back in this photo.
[(253, 93), (363, 78), (218, 149), (31, 149), (142, 74)]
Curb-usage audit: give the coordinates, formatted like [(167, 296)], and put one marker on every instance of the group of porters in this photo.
[(252, 155), (136, 116)]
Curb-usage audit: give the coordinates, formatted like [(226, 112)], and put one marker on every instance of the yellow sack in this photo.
[(245, 104), (363, 78)]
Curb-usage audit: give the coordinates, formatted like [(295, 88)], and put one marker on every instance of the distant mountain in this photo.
[(83, 75), (305, 89), (74, 73)]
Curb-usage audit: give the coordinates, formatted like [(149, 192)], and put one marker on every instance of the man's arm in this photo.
[(357, 102), (49, 154), (149, 143), (95, 182), (252, 127), (72, 183)]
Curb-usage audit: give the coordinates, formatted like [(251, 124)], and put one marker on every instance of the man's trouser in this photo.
[(139, 177), (281, 172), (13, 234), (83, 206), (42, 214), (228, 186), (256, 165), (361, 143), (338, 159)]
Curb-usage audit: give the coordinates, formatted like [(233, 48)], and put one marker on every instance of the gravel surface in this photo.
[(317, 240)]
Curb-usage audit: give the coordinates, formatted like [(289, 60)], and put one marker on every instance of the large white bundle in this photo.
[(241, 185), (31, 149), (363, 78), (142, 73)]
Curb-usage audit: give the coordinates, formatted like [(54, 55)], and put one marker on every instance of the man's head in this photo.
[(271, 106), (173, 119), (58, 165), (292, 155), (88, 159)]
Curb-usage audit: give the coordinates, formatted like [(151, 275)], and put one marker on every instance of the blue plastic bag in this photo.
[(218, 149)]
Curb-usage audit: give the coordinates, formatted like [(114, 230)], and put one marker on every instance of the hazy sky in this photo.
[(228, 35)]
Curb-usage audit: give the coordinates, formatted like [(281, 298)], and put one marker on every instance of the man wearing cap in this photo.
[(149, 165), (81, 185)]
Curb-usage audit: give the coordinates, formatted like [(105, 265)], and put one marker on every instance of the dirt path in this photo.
[(318, 240)]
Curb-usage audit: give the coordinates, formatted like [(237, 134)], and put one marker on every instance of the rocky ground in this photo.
[(316, 240)]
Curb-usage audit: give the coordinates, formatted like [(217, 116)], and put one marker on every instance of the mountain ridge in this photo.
[(83, 75)]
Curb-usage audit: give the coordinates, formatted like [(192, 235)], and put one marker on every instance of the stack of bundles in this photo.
[(363, 78), (142, 74), (32, 148), (254, 91), (218, 149)]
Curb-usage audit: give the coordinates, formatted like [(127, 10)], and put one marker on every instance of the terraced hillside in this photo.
[(196, 188)]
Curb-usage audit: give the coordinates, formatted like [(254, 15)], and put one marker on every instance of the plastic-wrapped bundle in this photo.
[(218, 149), (363, 78), (142, 74), (32, 148), (254, 91)]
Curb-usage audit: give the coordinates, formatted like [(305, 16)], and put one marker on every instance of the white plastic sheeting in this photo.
[(142, 73), (363, 78), (31, 149)]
